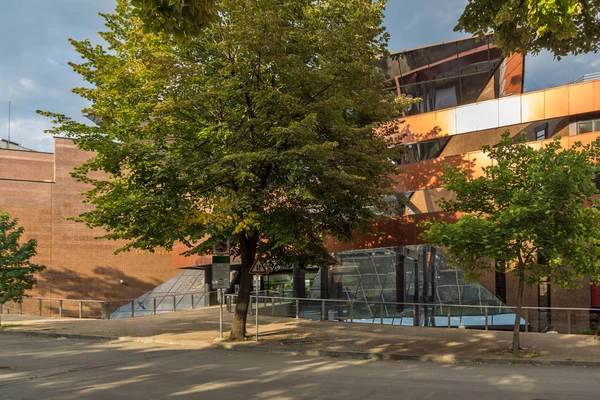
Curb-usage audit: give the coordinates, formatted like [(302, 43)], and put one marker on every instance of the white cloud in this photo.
[(28, 84), (52, 61)]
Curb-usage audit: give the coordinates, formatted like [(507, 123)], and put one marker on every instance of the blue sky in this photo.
[(34, 50)]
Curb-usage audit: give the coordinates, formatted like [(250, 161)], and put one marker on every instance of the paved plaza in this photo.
[(45, 368), (199, 329)]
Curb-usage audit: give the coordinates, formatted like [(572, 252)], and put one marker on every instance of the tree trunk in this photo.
[(516, 344), (248, 255)]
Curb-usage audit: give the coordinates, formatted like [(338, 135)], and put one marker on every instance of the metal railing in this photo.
[(102, 309), (587, 77), (487, 316)]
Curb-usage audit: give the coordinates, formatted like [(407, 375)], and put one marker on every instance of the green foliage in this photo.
[(528, 202), (587, 331), (16, 269), (182, 18), (260, 130), (528, 26)]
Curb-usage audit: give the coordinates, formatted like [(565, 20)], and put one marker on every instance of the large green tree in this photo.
[(260, 130), (17, 272), (182, 18), (527, 26), (532, 211)]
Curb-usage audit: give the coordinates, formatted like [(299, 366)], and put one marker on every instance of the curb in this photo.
[(352, 355), (358, 355), (56, 335)]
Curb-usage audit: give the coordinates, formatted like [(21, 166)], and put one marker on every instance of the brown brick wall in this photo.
[(78, 265)]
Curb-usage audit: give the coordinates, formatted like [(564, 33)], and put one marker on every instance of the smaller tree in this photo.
[(528, 203), (527, 26), (17, 272)]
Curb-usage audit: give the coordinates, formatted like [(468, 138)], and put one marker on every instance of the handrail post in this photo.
[(486, 318), (40, 307), (381, 314), (415, 315), (297, 309), (192, 300), (352, 311), (174, 303), (132, 308), (569, 322), (154, 305), (449, 315), (80, 309), (60, 308), (526, 319), (272, 307), (250, 306), (322, 310)]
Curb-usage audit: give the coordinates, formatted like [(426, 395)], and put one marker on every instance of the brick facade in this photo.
[(37, 189)]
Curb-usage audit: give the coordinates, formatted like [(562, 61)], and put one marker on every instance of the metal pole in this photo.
[(132, 308), (174, 304), (486, 319), (323, 310), (272, 307), (80, 309), (449, 314), (381, 314), (526, 319), (192, 300), (221, 313), (60, 308), (297, 308), (154, 305), (414, 315), (352, 312), (257, 287), (569, 322), (40, 307)]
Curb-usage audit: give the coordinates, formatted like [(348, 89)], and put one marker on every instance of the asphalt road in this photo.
[(40, 368)]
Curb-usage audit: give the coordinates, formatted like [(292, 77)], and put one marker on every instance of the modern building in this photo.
[(471, 94)]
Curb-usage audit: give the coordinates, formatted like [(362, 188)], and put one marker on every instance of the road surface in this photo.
[(42, 368)]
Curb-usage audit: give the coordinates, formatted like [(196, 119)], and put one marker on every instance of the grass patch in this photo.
[(509, 353), (4, 326), (587, 331)]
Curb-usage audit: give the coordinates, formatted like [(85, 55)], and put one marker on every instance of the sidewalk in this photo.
[(199, 328)]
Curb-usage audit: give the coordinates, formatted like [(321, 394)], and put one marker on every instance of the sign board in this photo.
[(221, 248), (258, 268), (220, 272)]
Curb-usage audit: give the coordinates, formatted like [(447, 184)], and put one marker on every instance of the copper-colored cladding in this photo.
[(556, 102), (581, 98), (511, 80), (428, 174), (596, 95), (425, 174), (398, 231), (530, 107)]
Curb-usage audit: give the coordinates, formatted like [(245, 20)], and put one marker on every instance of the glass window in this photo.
[(585, 127), (541, 132), (596, 125), (420, 151)]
